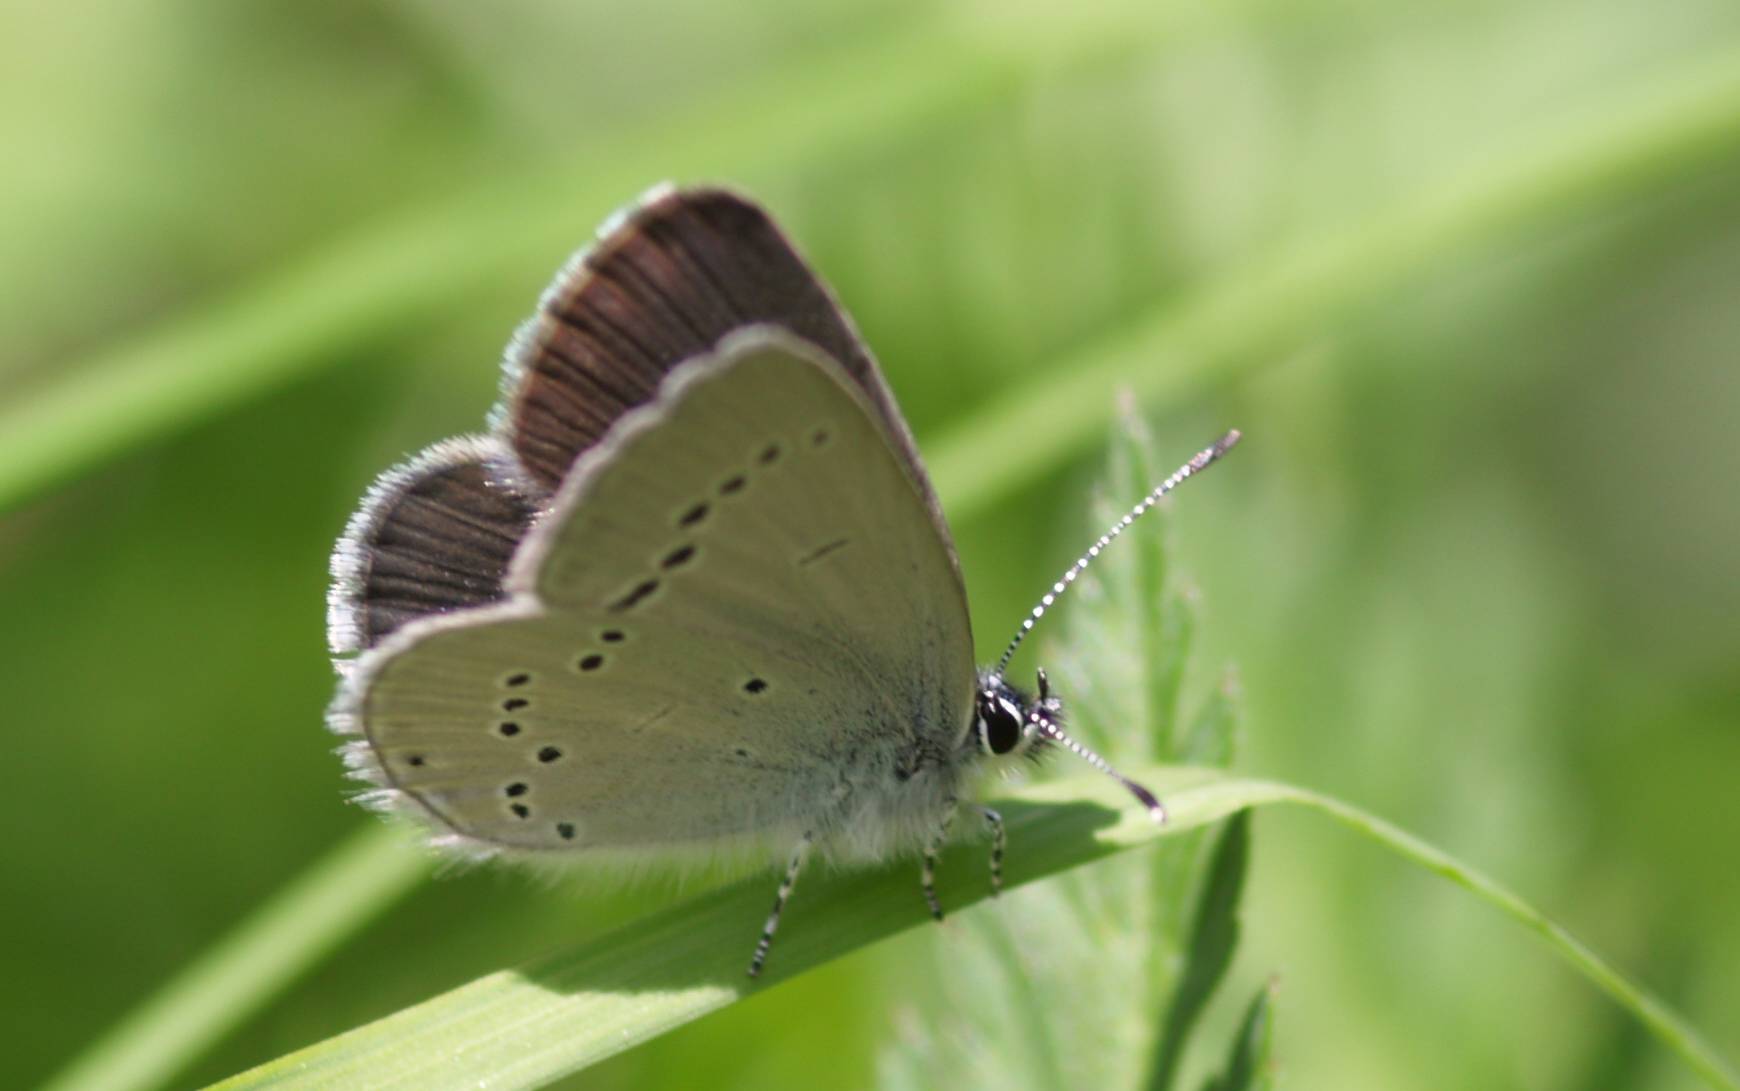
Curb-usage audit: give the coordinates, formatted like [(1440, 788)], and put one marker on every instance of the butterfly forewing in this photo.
[(665, 282), (739, 608)]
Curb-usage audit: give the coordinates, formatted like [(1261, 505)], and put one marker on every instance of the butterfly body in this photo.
[(692, 597)]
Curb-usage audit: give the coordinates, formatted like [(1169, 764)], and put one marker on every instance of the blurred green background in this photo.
[(1465, 274)]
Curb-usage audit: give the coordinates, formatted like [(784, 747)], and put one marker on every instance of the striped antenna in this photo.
[(1042, 720), (1195, 466)]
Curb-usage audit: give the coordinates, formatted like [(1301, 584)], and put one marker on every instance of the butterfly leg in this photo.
[(930, 854), (798, 856), (998, 843)]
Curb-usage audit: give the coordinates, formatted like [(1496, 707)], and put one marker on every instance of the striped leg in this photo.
[(998, 843), (930, 853), (785, 887)]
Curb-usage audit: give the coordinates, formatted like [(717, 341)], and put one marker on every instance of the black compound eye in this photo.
[(1000, 721)]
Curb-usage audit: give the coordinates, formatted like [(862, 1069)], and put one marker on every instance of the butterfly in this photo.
[(692, 594)]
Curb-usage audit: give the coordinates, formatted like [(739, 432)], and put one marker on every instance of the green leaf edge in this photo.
[(526, 1027)]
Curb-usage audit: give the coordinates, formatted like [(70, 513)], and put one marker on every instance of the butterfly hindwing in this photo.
[(433, 535), (737, 618)]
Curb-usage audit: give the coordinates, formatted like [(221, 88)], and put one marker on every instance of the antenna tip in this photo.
[(1222, 446), (1209, 454), (1155, 810)]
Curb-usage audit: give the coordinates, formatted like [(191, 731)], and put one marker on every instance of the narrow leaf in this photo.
[(525, 1028), (1250, 1067), (1213, 939)]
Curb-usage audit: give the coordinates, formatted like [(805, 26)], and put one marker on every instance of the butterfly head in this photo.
[(1010, 723), (1007, 722)]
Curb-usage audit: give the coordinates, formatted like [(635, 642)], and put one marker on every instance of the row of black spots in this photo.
[(588, 661), (518, 680), (675, 559), (519, 791), (697, 513), (767, 456), (523, 811)]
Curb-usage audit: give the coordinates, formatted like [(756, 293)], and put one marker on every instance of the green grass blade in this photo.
[(524, 1028), (1666, 1025), (1213, 939), (304, 923), (1250, 1067), (527, 1027)]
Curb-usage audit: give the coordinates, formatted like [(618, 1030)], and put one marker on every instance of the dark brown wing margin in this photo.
[(664, 284), (433, 535)]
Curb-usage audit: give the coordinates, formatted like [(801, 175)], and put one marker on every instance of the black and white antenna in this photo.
[(1042, 719), (1201, 462)]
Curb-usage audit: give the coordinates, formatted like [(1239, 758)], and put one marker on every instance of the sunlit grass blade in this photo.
[(525, 1028)]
